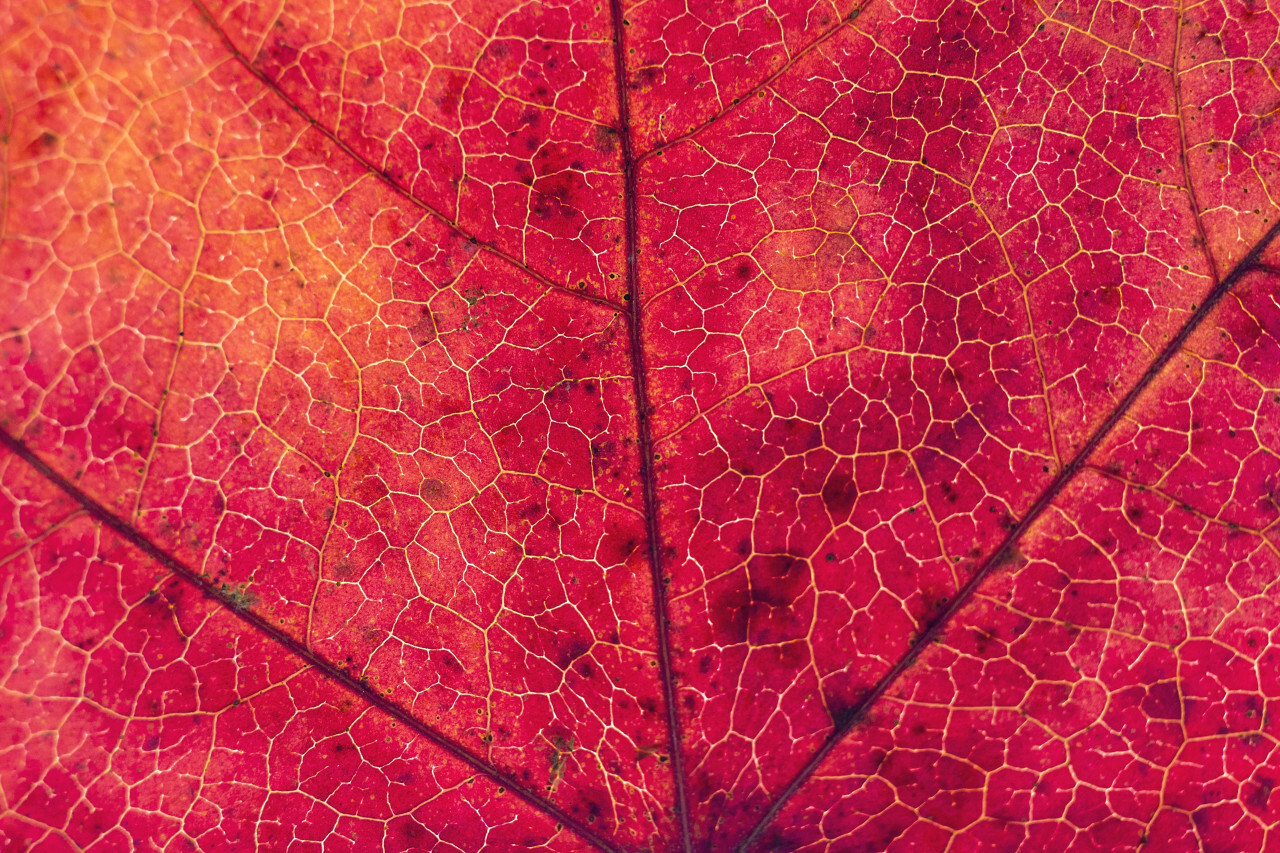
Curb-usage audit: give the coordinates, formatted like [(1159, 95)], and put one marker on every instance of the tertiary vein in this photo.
[(382, 175), (296, 647), (1005, 551)]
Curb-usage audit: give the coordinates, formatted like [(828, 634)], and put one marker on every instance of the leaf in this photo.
[(573, 426)]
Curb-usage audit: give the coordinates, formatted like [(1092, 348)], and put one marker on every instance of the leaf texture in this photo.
[(608, 426)]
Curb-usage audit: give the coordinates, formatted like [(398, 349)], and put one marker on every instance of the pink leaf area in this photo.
[(643, 427)]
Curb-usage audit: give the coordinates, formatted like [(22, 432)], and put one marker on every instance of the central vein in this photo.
[(644, 435)]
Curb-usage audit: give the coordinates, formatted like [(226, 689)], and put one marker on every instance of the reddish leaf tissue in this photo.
[(795, 425)]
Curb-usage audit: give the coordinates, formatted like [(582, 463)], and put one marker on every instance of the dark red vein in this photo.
[(383, 176), (750, 93), (321, 664), (1202, 238), (644, 435), (1004, 551), (6, 105)]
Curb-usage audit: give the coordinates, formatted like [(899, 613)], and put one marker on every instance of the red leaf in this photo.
[(568, 426)]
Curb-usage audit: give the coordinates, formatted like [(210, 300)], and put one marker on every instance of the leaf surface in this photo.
[(583, 426)]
